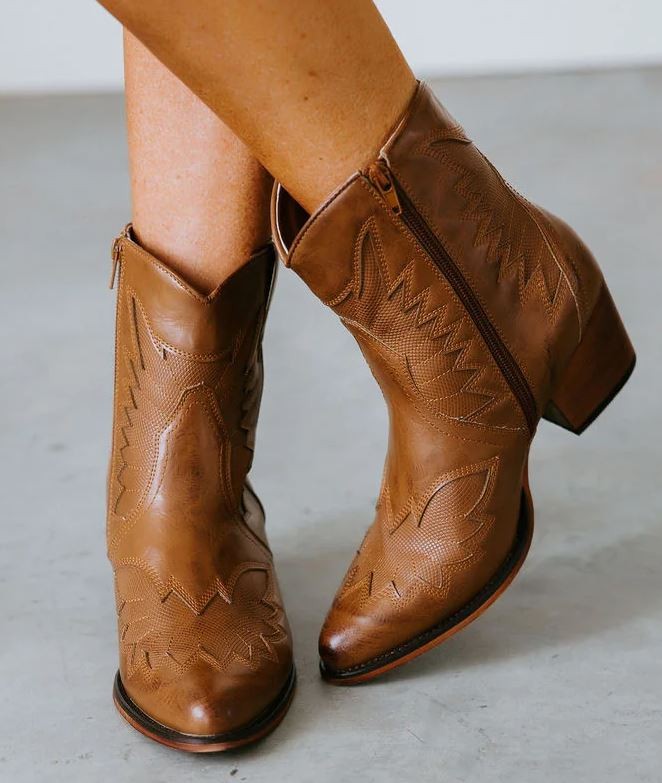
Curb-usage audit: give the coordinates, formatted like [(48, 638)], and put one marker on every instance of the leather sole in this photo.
[(439, 633), (259, 727)]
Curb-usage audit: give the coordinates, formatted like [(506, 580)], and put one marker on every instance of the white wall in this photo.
[(53, 45), (49, 45), (469, 36)]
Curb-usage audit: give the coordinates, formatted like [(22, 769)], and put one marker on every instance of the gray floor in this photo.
[(561, 680)]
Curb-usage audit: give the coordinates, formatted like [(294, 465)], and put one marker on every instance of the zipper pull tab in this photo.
[(115, 254), (115, 257), (380, 176)]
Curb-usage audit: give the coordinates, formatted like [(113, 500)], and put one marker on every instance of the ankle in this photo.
[(347, 145), (203, 259)]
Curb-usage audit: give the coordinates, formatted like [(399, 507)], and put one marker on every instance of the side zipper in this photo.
[(401, 206), (116, 253)]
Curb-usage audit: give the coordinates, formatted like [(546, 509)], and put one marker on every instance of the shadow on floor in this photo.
[(557, 601)]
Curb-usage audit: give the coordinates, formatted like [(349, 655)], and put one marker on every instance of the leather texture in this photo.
[(204, 642), (452, 492)]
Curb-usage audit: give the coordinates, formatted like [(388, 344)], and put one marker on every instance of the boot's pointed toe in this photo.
[(351, 643), (398, 600), (347, 640), (338, 642), (206, 710)]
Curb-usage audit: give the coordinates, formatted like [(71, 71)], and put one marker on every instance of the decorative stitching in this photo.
[(430, 322), (148, 649), (394, 533)]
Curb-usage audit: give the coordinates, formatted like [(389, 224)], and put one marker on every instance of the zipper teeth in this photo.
[(502, 356)]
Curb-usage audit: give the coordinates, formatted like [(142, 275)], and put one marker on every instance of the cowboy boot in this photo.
[(478, 313), (205, 648)]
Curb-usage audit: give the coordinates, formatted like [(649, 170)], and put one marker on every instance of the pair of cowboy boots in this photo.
[(478, 313)]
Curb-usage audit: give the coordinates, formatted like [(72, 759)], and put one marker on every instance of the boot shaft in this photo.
[(188, 380), (483, 272)]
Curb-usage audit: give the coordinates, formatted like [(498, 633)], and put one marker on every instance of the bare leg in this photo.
[(200, 199), (312, 88)]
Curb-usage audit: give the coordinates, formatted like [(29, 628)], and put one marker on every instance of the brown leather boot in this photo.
[(478, 313), (205, 647)]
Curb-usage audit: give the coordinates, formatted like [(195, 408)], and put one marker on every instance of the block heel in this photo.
[(598, 369)]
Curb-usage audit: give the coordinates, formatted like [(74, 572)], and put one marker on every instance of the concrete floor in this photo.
[(560, 681)]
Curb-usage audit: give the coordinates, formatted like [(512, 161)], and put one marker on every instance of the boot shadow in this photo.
[(557, 600)]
